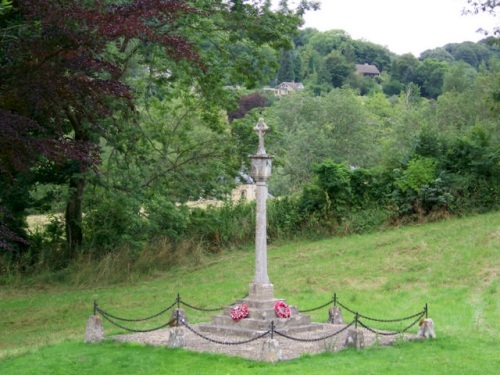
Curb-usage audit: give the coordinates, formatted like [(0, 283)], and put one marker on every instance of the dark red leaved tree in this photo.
[(57, 83), (246, 103)]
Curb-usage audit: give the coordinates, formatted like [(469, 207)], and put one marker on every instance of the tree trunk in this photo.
[(73, 217)]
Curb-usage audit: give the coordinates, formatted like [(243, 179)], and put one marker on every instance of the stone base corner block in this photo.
[(355, 339), (176, 338), (181, 313), (426, 329), (94, 331), (271, 351), (335, 315)]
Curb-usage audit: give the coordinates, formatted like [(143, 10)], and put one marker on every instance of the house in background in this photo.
[(245, 189), (367, 70), (285, 88)]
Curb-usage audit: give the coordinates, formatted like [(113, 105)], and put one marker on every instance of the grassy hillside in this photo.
[(453, 266)]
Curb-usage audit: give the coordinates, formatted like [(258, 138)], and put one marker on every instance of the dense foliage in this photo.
[(119, 114), (72, 80)]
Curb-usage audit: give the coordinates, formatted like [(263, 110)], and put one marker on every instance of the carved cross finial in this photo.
[(261, 129)]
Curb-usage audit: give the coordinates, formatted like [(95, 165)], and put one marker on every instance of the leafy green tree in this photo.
[(392, 87), (286, 71), (310, 64), (311, 129), (439, 54), (331, 193), (303, 37), (403, 68), (329, 41), (430, 76), (418, 172), (473, 54), (364, 85), (459, 77), (371, 53), (335, 70)]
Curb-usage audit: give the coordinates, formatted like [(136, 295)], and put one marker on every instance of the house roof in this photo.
[(243, 178), (367, 69), (292, 85)]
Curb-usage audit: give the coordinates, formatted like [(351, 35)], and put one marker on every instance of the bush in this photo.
[(114, 220), (284, 218), (365, 220), (164, 218), (232, 224)]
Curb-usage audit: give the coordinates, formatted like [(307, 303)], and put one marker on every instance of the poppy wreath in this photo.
[(282, 310), (239, 312)]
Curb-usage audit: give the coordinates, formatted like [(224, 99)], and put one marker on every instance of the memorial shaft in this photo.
[(261, 276)]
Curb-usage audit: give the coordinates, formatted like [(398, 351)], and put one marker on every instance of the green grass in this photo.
[(453, 266)]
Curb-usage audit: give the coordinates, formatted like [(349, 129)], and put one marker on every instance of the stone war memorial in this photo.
[(262, 326), (261, 308)]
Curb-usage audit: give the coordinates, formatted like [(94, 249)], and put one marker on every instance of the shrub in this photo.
[(114, 220)]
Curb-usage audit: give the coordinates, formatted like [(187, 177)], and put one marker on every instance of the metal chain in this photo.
[(316, 339), (224, 342), (391, 333), (380, 320), (138, 330), (317, 308), (134, 320), (200, 308)]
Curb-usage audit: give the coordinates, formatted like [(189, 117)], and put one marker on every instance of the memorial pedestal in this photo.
[(261, 314)]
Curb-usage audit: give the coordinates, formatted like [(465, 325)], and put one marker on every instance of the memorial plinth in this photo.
[(260, 300)]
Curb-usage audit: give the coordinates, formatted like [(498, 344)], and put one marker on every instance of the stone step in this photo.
[(262, 324), (258, 309), (257, 304), (253, 313)]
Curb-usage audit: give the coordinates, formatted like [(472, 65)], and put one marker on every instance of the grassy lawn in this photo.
[(453, 266)]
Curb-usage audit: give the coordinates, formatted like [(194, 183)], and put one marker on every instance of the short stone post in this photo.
[(355, 339), (426, 329), (178, 315), (176, 338), (271, 351), (335, 315), (94, 331)]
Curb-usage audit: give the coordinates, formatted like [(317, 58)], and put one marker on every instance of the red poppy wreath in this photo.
[(239, 312)]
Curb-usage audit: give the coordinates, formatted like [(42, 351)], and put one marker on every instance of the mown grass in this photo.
[(453, 266)]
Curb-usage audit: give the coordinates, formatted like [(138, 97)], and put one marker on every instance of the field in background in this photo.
[(454, 266)]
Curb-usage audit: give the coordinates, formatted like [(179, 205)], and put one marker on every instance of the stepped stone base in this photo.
[(260, 302)]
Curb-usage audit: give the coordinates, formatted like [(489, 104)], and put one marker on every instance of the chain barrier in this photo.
[(382, 320), (134, 330), (318, 308), (96, 308), (315, 339), (200, 308), (224, 342), (377, 332), (335, 300)]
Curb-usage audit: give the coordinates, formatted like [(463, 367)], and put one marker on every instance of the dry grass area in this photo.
[(37, 222)]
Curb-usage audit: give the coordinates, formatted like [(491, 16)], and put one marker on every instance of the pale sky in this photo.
[(401, 25)]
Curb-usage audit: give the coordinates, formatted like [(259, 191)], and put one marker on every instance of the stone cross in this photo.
[(261, 129)]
